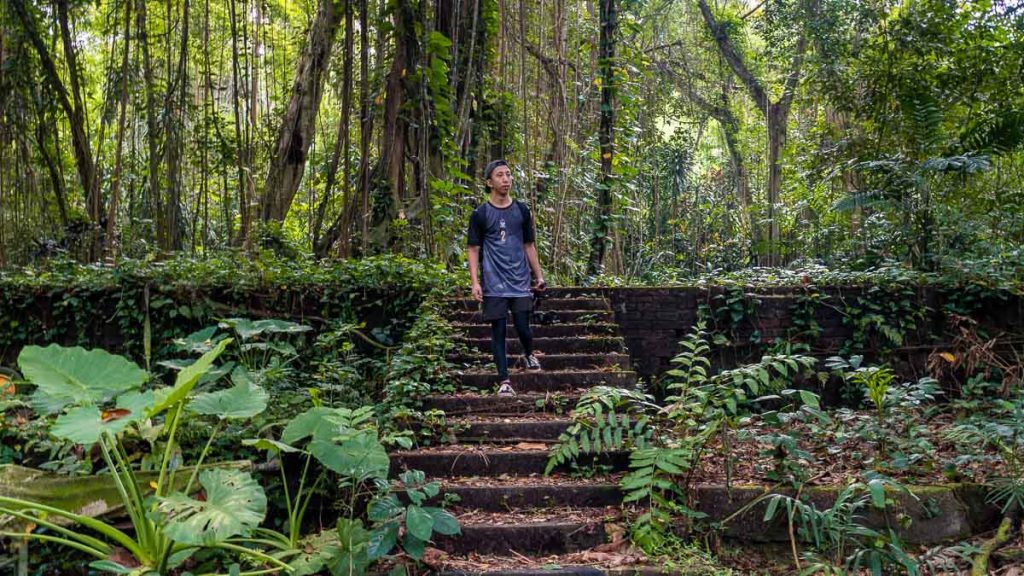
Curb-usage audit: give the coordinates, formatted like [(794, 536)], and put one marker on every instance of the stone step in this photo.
[(548, 316), (527, 403), (564, 565), (552, 380), (541, 330), (537, 533), (491, 460), (583, 303), (552, 566), (503, 494), (555, 362), (589, 345), (509, 429)]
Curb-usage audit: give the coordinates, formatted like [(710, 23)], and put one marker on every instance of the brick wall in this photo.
[(654, 320)]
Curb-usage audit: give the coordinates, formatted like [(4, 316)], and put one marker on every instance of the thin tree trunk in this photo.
[(175, 113), (365, 125), (602, 224), (288, 161), (244, 173), (151, 204), (115, 183), (75, 112)]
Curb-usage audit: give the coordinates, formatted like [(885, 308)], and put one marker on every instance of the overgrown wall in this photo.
[(121, 309), (898, 324)]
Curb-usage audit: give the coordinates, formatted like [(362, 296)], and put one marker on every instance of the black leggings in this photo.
[(499, 331)]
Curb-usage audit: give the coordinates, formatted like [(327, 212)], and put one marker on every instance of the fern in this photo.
[(605, 419), (925, 119), (652, 481), (693, 362), (999, 133), (861, 199)]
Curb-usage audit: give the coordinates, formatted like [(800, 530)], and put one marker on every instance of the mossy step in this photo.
[(565, 316), (552, 380), (569, 345), (509, 430), (530, 533), (550, 361), (488, 403), (583, 303), (542, 330), (538, 492), (493, 460)]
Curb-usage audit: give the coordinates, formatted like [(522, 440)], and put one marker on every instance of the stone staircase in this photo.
[(516, 521)]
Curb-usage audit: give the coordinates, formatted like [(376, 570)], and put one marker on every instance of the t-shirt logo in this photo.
[(501, 225)]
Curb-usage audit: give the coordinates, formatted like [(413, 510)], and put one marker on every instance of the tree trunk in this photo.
[(175, 113), (298, 126), (602, 223), (75, 112), (776, 114), (115, 181), (150, 205), (241, 156), (777, 119)]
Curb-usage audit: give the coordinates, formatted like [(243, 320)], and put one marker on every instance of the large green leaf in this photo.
[(444, 522), (187, 379), (247, 329), (419, 522), (67, 376), (84, 424), (234, 504), (360, 455), (354, 541), (199, 342), (316, 552), (243, 400), (320, 422)]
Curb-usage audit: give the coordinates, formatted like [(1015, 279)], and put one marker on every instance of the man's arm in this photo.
[(531, 256), (474, 271)]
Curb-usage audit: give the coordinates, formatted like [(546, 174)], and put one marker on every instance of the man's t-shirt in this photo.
[(501, 233)]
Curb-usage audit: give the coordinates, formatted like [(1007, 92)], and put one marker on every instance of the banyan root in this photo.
[(980, 567)]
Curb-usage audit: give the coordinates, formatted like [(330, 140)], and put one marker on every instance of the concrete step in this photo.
[(550, 362), (582, 303), (541, 316), (505, 494), (494, 429), (524, 403), (491, 460), (552, 380), (542, 331), (533, 533), (552, 566), (588, 345)]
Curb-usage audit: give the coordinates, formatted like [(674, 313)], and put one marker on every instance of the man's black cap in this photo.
[(492, 166)]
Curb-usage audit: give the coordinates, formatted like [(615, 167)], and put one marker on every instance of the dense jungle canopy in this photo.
[(653, 138)]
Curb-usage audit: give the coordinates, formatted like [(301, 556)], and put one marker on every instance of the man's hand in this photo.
[(478, 292), (539, 285)]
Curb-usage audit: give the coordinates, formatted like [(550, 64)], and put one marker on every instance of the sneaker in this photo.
[(505, 389), (531, 362)]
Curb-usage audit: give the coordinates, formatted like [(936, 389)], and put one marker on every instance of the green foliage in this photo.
[(170, 527), (605, 419), (1000, 427), (839, 540), (420, 522)]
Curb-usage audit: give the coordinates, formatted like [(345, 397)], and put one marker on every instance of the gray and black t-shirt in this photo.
[(501, 233)]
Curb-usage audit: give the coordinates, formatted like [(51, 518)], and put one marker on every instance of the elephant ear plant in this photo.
[(94, 398)]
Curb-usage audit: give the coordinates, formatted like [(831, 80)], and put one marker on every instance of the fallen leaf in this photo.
[(433, 557), (531, 446)]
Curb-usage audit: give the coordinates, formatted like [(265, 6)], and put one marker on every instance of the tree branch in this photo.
[(735, 60)]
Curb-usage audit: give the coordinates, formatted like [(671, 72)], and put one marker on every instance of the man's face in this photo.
[(500, 180)]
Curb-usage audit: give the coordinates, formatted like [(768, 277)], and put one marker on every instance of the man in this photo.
[(502, 253)]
